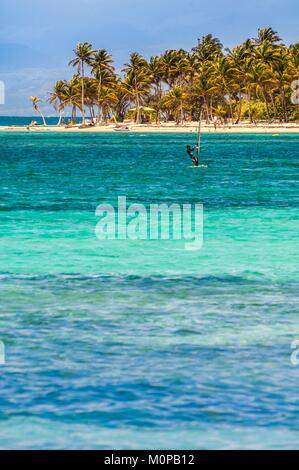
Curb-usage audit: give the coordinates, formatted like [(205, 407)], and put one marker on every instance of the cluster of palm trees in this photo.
[(252, 81)]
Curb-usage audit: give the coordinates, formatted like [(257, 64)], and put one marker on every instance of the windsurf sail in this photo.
[(198, 136)]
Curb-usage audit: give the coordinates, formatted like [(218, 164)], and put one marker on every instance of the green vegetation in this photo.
[(252, 81), (35, 100)]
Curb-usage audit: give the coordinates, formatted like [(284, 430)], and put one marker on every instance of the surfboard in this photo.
[(199, 166)]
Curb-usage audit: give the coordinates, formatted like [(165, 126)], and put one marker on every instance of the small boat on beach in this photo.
[(121, 129)]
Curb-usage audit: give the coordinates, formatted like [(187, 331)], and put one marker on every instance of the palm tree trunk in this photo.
[(82, 92), (60, 113), (74, 117), (207, 110), (41, 115), (60, 118), (112, 114), (100, 108), (231, 109), (211, 108), (267, 105), (273, 106), (250, 106), (240, 107), (158, 119), (239, 112), (181, 112), (137, 109), (284, 105)]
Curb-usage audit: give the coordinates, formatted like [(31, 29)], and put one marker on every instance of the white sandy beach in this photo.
[(166, 128)]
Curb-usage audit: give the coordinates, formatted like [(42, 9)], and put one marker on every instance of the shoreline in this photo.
[(164, 128)]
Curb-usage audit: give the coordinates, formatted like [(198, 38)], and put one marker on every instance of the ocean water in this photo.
[(25, 120), (142, 344)]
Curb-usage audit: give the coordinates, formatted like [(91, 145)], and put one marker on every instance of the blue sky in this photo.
[(37, 37)]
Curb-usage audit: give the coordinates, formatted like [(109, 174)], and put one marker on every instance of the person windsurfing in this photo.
[(190, 151)]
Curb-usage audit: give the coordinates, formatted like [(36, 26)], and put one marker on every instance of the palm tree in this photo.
[(101, 60), (173, 101), (123, 102), (260, 78), (35, 100), (108, 102), (90, 89), (103, 71), (156, 68), (72, 95), (267, 53), (207, 48), (239, 57), (221, 71), (83, 55), (57, 97), (175, 64), (283, 73), (181, 68), (182, 71), (294, 50), (202, 90), (137, 80), (266, 35), (220, 112)]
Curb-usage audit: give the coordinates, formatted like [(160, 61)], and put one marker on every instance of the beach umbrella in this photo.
[(143, 108)]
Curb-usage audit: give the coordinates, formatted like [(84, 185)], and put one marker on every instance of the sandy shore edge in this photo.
[(166, 128)]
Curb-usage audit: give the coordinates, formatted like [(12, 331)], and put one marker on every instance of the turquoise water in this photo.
[(141, 344), (25, 120)]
